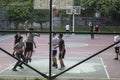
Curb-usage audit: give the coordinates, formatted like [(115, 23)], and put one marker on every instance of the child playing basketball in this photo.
[(19, 48), (54, 50)]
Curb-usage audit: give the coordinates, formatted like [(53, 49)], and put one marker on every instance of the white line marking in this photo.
[(8, 67), (105, 68)]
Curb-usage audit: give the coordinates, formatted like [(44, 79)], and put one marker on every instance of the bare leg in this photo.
[(117, 52), (62, 63), (55, 62), (29, 55)]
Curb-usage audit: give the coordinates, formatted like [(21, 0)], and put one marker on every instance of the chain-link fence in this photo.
[(12, 19)]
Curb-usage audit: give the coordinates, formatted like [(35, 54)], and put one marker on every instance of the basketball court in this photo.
[(93, 68), (78, 48)]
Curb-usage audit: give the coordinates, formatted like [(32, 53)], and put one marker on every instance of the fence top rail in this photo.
[(22, 31)]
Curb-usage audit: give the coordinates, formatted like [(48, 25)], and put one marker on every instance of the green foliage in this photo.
[(62, 13), (38, 79), (106, 7), (87, 29), (22, 79), (1, 79), (4, 2), (41, 15), (18, 11)]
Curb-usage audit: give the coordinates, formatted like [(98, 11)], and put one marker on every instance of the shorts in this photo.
[(61, 56), (116, 49), (29, 46), (54, 53), (67, 30)]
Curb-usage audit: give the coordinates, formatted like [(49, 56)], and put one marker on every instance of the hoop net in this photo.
[(73, 10)]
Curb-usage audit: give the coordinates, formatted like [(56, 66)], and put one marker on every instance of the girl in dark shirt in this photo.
[(18, 48), (17, 36), (16, 39), (61, 51)]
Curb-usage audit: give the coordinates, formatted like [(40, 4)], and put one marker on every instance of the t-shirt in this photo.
[(91, 26), (19, 46), (30, 37), (54, 42), (61, 44), (67, 27), (16, 38), (117, 38)]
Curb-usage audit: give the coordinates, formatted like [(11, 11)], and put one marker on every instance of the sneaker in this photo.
[(14, 69), (26, 60), (13, 54), (55, 65), (21, 66), (62, 68), (115, 58), (29, 59)]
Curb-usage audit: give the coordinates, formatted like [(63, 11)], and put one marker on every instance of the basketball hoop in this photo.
[(73, 10)]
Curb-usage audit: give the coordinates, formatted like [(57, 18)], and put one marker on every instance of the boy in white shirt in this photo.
[(67, 27), (117, 46), (54, 50)]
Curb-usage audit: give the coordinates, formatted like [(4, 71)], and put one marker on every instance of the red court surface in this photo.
[(76, 46)]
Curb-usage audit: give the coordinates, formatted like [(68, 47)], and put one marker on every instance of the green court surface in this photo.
[(6, 37), (75, 44), (76, 36), (93, 68)]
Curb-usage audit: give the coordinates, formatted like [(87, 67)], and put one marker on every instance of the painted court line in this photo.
[(8, 67), (36, 59), (105, 68)]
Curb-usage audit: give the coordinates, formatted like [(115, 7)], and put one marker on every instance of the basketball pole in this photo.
[(73, 10), (73, 15), (73, 22)]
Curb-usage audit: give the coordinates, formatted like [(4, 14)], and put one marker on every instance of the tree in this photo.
[(41, 16), (106, 7), (19, 12), (5, 2), (111, 8)]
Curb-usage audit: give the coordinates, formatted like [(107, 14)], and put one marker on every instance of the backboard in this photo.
[(45, 4), (73, 10)]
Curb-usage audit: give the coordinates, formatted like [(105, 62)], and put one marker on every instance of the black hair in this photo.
[(61, 35), (20, 38), (54, 33)]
